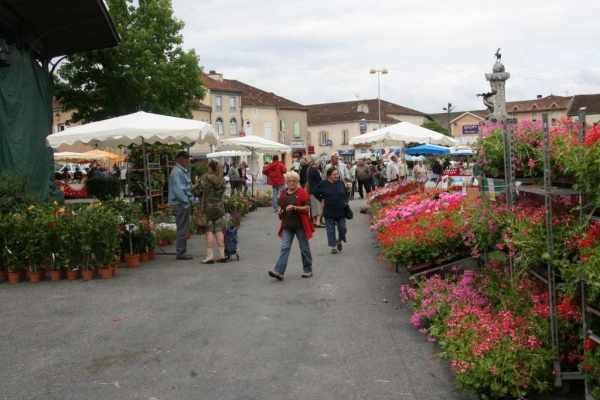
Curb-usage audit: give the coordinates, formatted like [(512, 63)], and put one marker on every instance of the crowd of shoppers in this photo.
[(315, 190)]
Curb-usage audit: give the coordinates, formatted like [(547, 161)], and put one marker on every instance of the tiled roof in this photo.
[(590, 101), (348, 111), (251, 96), (255, 97), (224, 85), (547, 103)]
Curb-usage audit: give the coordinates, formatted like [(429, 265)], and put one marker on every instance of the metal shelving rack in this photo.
[(549, 277)]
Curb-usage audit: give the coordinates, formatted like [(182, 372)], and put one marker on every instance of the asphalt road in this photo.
[(182, 330)]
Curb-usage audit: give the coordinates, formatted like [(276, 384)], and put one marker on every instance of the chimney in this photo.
[(212, 74), (539, 96)]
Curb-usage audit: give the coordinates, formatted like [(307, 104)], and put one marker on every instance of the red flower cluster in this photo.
[(592, 136)]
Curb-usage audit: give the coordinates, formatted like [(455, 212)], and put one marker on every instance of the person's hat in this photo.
[(335, 154)]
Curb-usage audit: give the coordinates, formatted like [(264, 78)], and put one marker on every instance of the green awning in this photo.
[(54, 28)]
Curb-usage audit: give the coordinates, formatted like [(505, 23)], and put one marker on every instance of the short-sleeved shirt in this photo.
[(290, 220)]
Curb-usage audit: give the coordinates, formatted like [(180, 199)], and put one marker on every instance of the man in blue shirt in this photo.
[(180, 197)]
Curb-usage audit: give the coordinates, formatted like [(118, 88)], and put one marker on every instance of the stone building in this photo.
[(332, 125)]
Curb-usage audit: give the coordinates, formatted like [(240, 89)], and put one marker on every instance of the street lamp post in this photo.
[(379, 72), (449, 108)]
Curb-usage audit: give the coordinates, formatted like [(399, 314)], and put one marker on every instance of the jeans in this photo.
[(287, 237), (330, 224), (182, 219), (276, 191)]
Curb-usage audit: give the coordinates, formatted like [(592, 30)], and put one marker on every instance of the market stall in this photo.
[(255, 145), (400, 135), (139, 128)]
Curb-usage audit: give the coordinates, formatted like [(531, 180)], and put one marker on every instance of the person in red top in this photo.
[(294, 203), (274, 173)]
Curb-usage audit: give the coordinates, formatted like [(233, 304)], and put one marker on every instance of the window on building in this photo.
[(323, 138), (219, 127), (248, 128), (282, 137), (232, 103), (282, 127), (219, 103), (534, 116), (233, 127), (345, 136), (268, 130), (297, 133), (362, 108)]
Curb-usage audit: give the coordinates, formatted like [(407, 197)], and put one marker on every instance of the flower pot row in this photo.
[(132, 261)]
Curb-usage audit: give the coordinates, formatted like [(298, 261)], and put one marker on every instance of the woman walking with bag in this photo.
[(212, 208), (295, 221), (333, 192)]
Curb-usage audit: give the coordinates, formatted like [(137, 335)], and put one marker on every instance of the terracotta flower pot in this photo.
[(34, 277), (151, 255), (14, 277), (133, 260), (3, 276), (115, 269), (163, 242), (55, 275), (106, 273), (87, 274), (144, 257), (72, 275)]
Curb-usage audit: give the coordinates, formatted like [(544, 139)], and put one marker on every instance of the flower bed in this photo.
[(495, 335), (493, 325), (422, 228)]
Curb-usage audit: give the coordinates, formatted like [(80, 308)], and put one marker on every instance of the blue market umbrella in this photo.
[(427, 149)]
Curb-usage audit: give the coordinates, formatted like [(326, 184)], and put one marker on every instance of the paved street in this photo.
[(182, 330)]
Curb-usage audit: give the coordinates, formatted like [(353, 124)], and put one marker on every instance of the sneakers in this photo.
[(307, 275), (276, 275), (334, 250), (339, 246)]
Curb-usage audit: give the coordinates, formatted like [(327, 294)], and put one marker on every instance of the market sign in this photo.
[(363, 126), (470, 129), (297, 144)]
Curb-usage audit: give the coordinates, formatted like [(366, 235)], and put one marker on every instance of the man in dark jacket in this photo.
[(333, 193)]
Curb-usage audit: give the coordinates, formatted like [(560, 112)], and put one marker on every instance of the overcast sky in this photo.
[(315, 51)]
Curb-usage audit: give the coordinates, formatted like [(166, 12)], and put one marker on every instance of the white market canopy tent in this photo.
[(137, 128), (400, 134), (254, 143), (228, 153)]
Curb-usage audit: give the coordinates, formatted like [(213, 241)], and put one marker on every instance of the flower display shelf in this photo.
[(553, 191), (458, 263)]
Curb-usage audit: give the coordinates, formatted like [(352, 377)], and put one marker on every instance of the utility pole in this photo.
[(379, 72), (449, 108)]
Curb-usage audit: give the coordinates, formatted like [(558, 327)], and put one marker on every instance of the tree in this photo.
[(147, 71), (435, 126)]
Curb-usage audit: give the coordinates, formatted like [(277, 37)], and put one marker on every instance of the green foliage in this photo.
[(13, 193), (435, 126), (147, 71)]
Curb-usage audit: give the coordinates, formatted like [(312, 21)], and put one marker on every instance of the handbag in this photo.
[(348, 213)]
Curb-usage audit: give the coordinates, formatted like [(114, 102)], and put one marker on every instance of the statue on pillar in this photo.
[(495, 100)]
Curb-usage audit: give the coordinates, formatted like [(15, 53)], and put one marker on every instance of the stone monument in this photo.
[(495, 101)]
